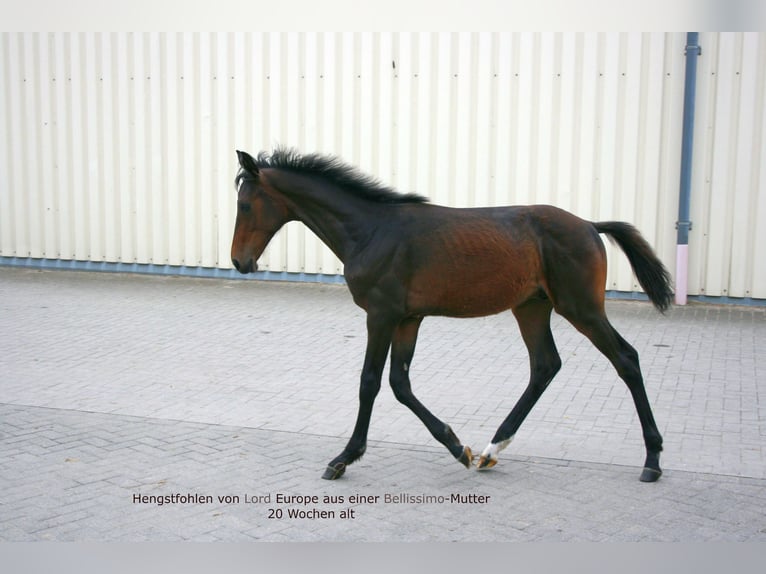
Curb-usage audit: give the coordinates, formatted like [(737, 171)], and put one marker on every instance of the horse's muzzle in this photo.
[(249, 267)]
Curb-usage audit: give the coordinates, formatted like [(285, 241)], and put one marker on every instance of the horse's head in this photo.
[(260, 214)]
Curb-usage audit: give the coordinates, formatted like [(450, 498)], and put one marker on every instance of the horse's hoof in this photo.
[(334, 472), (485, 463), (650, 474), (467, 457)]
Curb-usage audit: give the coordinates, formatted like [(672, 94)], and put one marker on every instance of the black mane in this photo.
[(334, 170)]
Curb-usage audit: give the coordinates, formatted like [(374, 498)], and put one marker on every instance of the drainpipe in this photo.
[(684, 225)]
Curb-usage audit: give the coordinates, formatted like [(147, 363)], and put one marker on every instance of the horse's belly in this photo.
[(472, 290)]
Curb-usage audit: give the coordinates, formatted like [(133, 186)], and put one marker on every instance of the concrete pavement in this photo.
[(159, 408)]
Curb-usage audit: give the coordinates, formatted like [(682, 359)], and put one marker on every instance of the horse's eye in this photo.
[(243, 207)]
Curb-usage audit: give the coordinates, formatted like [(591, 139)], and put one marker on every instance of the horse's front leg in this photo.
[(379, 331), (402, 351)]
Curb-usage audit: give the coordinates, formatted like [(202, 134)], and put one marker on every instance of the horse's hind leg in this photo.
[(625, 359), (402, 350), (534, 318)]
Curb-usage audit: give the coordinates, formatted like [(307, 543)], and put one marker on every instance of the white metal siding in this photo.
[(726, 244), (120, 147)]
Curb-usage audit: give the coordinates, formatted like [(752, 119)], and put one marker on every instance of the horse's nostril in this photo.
[(236, 264)]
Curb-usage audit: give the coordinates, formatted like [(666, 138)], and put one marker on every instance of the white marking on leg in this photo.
[(493, 449)]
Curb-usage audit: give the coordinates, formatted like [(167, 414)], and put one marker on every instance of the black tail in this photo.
[(652, 275)]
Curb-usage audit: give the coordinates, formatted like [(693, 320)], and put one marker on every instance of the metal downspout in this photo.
[(684, 225)]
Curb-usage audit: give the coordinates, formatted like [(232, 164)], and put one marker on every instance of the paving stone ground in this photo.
[(118, 392)]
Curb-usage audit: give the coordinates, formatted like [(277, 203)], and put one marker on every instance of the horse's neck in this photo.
[(339, 219)]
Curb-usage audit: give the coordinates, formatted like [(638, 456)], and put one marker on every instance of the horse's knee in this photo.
[(369, 387)]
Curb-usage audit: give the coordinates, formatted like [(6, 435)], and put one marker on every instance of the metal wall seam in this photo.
[(19, 107), (159, 93), (650, 74), (125, 164), (140, 229), (30, 118), (172, 172), (189, 160), (757, 242), (17, 222), (44, 152), (670, 117), (209, 127), (632, 144), (749, 140), (718, 232), (8, 243)]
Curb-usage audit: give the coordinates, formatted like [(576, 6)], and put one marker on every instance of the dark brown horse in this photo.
[(405, 258)]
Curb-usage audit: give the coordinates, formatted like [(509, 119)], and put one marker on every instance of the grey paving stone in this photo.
[(119, 385)]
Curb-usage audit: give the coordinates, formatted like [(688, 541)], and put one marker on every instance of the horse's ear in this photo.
[(247, 162)]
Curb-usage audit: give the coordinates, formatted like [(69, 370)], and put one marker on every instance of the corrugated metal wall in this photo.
[(727, 246), (120, 147)]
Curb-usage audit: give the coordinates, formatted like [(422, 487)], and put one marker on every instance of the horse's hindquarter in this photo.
[(471, 262)]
